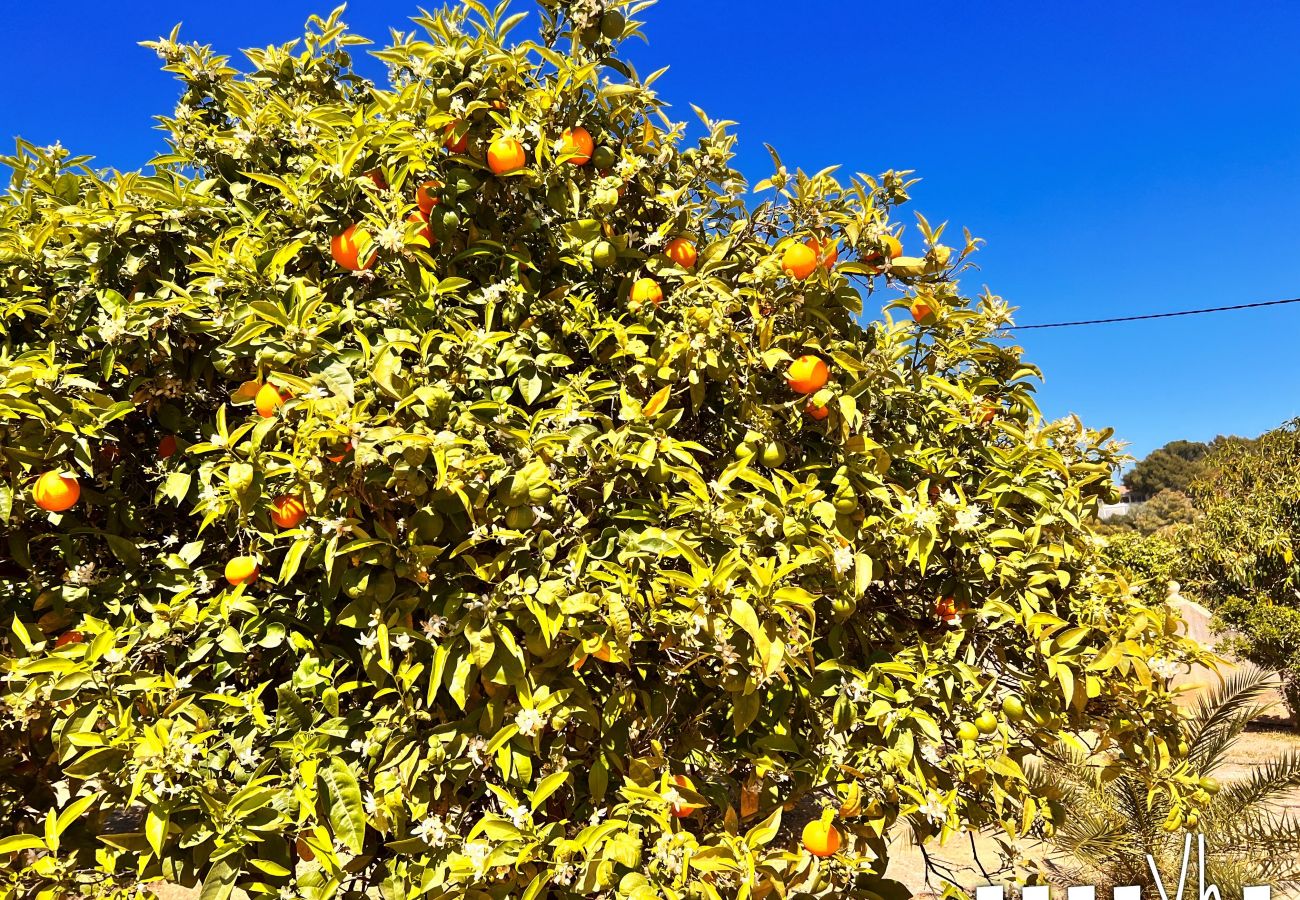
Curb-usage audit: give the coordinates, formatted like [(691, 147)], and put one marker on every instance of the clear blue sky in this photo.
[(1118, 159)]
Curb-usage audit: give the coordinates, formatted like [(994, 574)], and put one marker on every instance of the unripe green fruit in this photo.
[(1013, 708), (604, 255), (519, 517), (846, 503), (658, 472), (612, 24), (1209, 785), (843, 607), (604, 158), (986, 722), (968, 732), (773, 455)]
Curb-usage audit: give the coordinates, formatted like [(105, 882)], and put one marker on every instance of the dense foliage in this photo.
[(1242, 550), (1172, 467), (1163, 513), (418, 545), (1150, 559)]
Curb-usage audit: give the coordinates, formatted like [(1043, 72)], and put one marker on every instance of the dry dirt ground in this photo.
[(1271, 739)]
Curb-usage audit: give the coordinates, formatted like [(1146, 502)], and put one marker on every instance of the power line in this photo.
[(1167, 315)]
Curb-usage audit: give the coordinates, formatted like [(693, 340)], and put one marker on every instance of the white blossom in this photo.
[(530, 722)]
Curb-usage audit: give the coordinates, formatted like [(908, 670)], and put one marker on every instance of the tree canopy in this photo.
[(457, 487)]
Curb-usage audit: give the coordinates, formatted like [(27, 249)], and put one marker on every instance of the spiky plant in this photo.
[(1111, 822)]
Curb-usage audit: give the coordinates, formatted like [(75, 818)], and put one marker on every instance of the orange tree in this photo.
[(476, 496)]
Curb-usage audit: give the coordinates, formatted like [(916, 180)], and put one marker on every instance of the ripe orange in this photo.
[(56, 492), (506, 155), (287, 511), (892, 248), (338, 458), (946, 610), (377, 177), (452, 142), (167, 447), (69, 637), (816, 412), (604, 653), (425, 232), (990, 412), (269, 398), (799, 261), (647, 290), (578, 145), (828, 251), (807, 374), (426, 196), (821, 838), (682, 810), (352, 249), (242, 570), (922, 313), (681, 251)]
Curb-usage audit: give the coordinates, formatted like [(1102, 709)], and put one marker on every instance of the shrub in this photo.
[(1241, 550), (511, 583), (1150, 559)]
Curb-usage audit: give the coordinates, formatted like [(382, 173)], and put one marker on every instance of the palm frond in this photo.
[(1223, 713), (1266, 784)]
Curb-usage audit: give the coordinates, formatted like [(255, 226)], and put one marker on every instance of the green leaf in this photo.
[(18, 842), (220, 880), (347, 813)]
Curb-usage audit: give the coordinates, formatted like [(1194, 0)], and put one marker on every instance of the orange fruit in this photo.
[(287, 511), (56, 492), (577, 145), (681, 251), (69, 637), (816, 412), (946, 609), (167, 447), (892, 247), (821, 838), (922, 313), (269, 398), (604, 653), (426, 196), (799, 261), (377, 177), (647, 290), (452, 142), (828, 251), (990, 412), (338, 458), (807, 374), (422, 220), (506, 155), (242, 570), (350, 246), (682, 810)]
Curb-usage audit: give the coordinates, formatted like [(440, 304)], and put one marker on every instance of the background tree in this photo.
[(455, 488), (1242, 550), (1171, 467)]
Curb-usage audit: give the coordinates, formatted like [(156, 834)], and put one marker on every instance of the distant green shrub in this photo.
[(1149, 558)]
